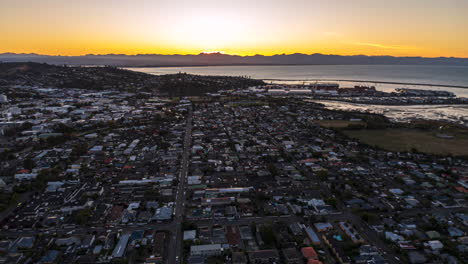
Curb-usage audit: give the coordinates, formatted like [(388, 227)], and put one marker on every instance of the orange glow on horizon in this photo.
[(427, 28), (138, 51)]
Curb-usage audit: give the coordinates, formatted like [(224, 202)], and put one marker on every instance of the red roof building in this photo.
[(233, 236), (309, 253)]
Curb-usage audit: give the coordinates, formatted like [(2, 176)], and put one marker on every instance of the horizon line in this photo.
[(227, 54)]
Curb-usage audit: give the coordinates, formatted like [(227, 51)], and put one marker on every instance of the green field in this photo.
[(397, 139)]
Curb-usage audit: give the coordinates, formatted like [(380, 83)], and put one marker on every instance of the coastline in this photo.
[(457, 114), (384, 77), (371, 81)]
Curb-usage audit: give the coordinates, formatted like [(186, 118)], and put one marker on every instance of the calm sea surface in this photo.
[(435, 75), (348, 75)]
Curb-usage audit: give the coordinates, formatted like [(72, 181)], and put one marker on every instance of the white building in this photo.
[(25, 176), (3, 99), (206, 250), (435, 244), (326, 92), (193, 180), (54, 186), (190, 234), (2, 184)]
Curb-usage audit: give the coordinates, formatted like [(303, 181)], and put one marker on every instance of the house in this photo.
[(313, 237), (233, 236), (239, 258), (160, 260), (393, 237), (432, 234), (24, 242), (4, 245), (97, 250), (88, 241), (50, 257), (267, 256), (109, 241), (335, 242), (322, 227), (396, 191), (455, 232), (292, 256), (67, 241), (246, 233), (196, 260), (295, 228), (416, 257), (351, 232), (368, 250)]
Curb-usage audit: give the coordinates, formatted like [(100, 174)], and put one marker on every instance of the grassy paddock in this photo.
[(397, 139)]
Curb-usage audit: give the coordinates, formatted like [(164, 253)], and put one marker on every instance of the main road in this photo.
[(175, 246)]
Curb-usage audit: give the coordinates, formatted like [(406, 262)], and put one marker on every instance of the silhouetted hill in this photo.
[(225, 59), (103, 78)]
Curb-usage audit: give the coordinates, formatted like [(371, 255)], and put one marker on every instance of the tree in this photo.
[(29, 164), (79, 149), (151, 194), (14, 198), (82, 216), (331, 201), (62, 128), (322, 174), (272, 169), (368, 217), (268, 235), (188, 225)]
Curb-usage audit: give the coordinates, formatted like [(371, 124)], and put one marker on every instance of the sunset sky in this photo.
[(428, 28)]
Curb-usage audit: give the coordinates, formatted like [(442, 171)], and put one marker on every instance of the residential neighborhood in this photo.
[(231, 177)]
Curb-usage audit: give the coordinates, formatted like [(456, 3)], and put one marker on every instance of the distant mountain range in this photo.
[(212, 59)]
